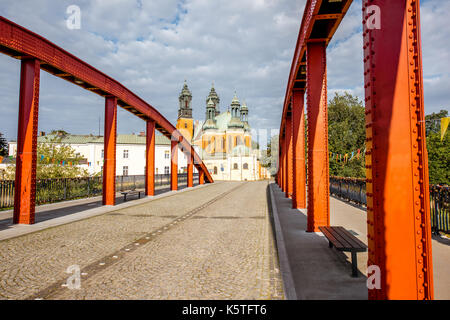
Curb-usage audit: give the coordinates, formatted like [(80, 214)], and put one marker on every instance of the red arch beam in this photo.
[(20, 43)]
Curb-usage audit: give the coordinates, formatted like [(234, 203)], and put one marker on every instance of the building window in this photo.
[(103, 153), (125, 171), (166, 154), (215, 170), (156, 170), (245, 166), (235, 166), (125, 154), (185, 125), (166, 170)]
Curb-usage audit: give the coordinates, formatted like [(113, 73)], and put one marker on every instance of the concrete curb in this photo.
[(285, 267), (22, 229)]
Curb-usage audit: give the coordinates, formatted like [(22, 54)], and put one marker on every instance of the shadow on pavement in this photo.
[(318, 272), (62, 209)]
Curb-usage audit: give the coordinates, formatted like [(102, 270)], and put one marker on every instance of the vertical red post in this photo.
[(289, 156), (25, 186), (190, 169), (398, 216), (109, 165), (282, 162), (299, 176), (201, 177), (150, 159), (174, 165), (318, 170)]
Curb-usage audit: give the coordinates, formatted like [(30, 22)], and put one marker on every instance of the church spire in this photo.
[(215, 99), (185, 98)]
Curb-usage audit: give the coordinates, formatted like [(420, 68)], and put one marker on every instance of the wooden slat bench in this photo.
[(343, 240), (131, 192)]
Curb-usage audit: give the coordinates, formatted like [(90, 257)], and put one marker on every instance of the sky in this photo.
[(151, 47)]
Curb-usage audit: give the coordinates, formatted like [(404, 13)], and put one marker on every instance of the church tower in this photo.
[(214, 98), (185, 123)]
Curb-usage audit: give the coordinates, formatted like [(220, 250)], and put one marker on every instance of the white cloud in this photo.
[(152, 46)]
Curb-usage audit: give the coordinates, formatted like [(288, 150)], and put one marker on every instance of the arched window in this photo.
[(245, 166), (185, 125), (235, 166), (215, 170)]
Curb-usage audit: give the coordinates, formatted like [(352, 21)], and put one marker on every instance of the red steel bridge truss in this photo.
[(398, 217), (36, 53)]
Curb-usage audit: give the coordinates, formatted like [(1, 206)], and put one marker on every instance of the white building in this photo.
[(130, 153)]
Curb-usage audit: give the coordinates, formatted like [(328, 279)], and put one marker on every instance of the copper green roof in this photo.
[(69, 139), (121, 139)]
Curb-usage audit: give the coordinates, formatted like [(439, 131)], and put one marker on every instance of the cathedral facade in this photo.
[(223, 139)]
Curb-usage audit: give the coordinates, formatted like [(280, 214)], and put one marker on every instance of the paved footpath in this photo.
[(210, 243)]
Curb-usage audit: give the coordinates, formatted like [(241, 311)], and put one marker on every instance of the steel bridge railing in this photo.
[(56, 190), (354, 190)]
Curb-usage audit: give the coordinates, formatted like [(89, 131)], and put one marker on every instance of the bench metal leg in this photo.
[(330, 244), (125, 198), (354, 265)]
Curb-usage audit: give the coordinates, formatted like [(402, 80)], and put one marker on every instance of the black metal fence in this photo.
[(55, 190), (440, 208), (351, 189), (354, 190)]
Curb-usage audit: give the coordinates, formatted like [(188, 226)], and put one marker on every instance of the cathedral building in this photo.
[(223, 139)]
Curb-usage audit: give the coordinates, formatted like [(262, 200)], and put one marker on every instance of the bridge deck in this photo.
[(210, 242), (321, 273)]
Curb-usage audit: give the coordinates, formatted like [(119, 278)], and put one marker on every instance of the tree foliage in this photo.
[(438, 151), (346, 133), (3, 146), (50, 155)]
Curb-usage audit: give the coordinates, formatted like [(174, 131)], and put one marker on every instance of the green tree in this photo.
[(346, 133), (3, 146), (438, 158), (50, 155), (433, 121), (438, 151)]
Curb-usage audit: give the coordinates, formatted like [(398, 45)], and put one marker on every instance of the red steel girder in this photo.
[(399, 233), (109, 165), (299, 167), (289, 158), (283, 165), (150, 159), (174, 165), (190, 170), (25, 185), (310, 15), (318, 170), (19, 42), (201, 178)]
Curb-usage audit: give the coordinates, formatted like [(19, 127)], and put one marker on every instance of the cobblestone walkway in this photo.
[(209, 243)]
